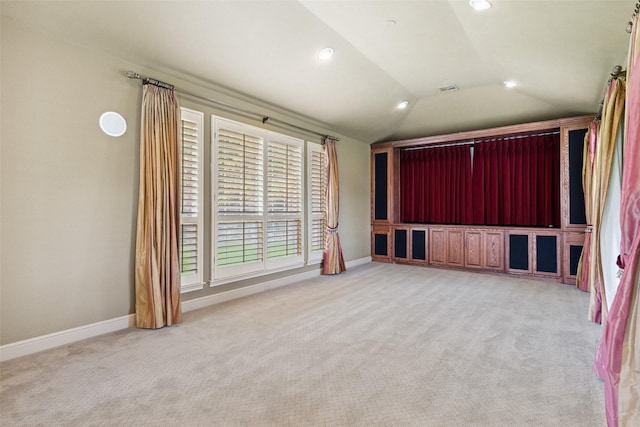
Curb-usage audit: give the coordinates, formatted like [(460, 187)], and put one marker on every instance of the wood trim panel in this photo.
[(489, 132), (575, 124), (394, 196), (390, 184)]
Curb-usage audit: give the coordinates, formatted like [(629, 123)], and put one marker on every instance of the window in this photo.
[(257, 193), (259, 220), (317, 197), (191, 206), (284, 200)]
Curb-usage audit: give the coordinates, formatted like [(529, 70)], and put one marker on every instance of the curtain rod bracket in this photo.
[(132, 75)]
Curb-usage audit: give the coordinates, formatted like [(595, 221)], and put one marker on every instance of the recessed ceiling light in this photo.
[(403, 105), (325, 54), (480, 4), (510, 83)]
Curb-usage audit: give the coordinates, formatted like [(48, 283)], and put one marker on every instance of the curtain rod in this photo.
[(265, 119), (479, 141), (616, 72), (633, 16)]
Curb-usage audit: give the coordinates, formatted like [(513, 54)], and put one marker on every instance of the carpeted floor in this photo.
[(379, 345)]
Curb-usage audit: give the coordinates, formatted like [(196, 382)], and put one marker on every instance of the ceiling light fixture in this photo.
[(510, 83), (403, 105), (480, 4), (325, 54)]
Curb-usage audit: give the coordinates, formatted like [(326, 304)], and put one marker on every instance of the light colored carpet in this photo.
[(381, 344)]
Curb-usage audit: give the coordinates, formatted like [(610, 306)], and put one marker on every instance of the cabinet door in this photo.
[(400, 243), (455, 248), (547, 254), (572, 248), (419, 245), (493, 253), (484, 249), (382, 185), (381, 244), (437, 246), (571, 159), (473, 249), (518, 253), (546, 259)]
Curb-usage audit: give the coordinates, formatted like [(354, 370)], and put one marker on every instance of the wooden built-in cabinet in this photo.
[(478, 248), (551, 253)]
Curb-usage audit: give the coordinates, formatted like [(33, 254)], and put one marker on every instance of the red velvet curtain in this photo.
[(516, 181), (513, 181), (435, 185)]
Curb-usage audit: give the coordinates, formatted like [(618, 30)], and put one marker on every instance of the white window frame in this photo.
[(195, 280), (315, 212), (225, 274)]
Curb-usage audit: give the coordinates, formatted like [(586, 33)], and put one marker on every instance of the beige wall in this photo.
[(69, 192)]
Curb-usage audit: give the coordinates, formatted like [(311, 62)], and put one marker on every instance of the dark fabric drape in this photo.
[(516, 181), (435, 185)]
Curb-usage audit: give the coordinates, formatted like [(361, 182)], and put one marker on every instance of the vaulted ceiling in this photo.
[(560, 52)]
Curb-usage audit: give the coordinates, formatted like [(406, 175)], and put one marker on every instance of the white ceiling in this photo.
[(561, 52)]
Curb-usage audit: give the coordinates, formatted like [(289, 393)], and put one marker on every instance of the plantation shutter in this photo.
[(317, 194), (240, 176), (284, 199), (258, 200), (239, 243), (191, 204)]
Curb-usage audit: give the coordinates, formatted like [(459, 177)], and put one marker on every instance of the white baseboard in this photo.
[(208, 300), (68, 336), (359, 261)]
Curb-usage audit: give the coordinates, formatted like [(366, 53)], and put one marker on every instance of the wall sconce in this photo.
[(113, 124)]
